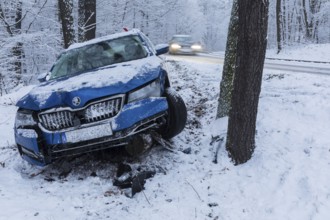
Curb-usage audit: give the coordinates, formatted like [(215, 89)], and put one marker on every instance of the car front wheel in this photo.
[(177, 114)]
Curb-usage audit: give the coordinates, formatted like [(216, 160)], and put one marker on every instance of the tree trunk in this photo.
[(279, 25), (3, 19), (315, 6), (226, 85), (86, 20), (18, 49), (15, 29), (81, 21), (65, 12), (285, 18), (124, 13), (306, 23), (251, 50)]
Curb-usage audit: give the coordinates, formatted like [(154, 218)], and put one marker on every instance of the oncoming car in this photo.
[(184, 44), (99, 94)]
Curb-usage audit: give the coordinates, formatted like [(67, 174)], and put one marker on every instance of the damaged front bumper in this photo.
[(41, 147)]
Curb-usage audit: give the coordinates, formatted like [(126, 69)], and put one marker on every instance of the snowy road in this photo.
[(293, 66)]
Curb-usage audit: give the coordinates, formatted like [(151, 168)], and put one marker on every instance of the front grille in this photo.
[(54, 120), (57, 120), (102, 110)]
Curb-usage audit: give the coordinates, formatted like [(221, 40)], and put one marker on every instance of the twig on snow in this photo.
[(194, 190)]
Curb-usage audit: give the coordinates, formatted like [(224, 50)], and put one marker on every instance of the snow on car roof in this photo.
[(104, 38)]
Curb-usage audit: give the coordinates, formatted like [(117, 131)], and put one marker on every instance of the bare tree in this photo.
[(66, 17), (86, 20), (250, 56), (14, 28)]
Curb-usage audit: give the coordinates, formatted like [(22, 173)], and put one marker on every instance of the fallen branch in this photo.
[(194, 190)]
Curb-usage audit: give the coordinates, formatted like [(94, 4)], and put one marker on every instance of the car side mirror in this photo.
[(43, 77), (161, 49)]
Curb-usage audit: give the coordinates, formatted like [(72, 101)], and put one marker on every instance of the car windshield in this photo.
[(182, 38), (98, 55)]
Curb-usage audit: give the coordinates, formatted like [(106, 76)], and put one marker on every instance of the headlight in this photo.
[(175, 46), (24, 119), (151, 90), (196, 47)]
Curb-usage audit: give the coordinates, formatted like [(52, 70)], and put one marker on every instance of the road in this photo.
[(293, 66)]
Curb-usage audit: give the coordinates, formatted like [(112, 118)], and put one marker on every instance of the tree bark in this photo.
[(66, 17), (251, 50), (226, 85)]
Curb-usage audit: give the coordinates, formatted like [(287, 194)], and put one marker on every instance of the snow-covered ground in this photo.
[(287, 178), (308, 52)]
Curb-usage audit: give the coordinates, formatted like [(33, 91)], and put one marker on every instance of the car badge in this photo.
[(76, 101)]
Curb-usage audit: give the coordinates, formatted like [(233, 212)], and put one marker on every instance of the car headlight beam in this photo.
[(175, 46), (196, 47), (150, 90)]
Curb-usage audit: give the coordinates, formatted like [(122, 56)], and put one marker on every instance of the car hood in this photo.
[(110, 80)]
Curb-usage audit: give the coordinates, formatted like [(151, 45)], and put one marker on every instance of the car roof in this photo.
[(104, 38)]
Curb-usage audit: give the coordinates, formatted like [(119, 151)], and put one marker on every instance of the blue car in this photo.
[(99, 94)]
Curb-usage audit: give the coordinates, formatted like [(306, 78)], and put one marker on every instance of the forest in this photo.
[(34, 32)]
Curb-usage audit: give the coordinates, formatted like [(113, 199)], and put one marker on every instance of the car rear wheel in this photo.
[(177, 114)]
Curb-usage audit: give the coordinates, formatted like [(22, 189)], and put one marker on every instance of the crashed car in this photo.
[(184, 44), (99, 94)]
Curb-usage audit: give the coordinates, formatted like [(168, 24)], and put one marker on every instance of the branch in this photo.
[(35, 17), (7, 25), (194, 190)]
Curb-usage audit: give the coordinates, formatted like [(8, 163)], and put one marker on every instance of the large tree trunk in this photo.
[(86, 20), (251, 49), (226, 85), (65, 12)]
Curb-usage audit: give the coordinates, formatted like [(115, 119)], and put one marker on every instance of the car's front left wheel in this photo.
[(177, 115)]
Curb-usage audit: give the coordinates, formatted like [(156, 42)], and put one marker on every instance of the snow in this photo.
[(104, 38), (309, 52), (287, 177), (119, 73)]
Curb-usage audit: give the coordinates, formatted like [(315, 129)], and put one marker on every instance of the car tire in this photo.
[(177, 115)]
